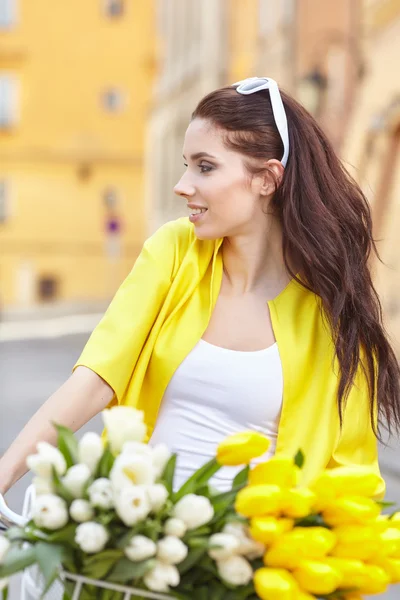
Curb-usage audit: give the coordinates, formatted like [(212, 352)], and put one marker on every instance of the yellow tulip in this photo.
[(241, 448), (390, 542), (350, 510), (381, 523), (347, 481), (297, 503), (299, 544), (353, 571), (394, 520), (269, 529), (302, 595), (353, 596), (317, 577), (376, 580), (275, 584), (279, 470), (258, 500), (356, 542), (391, 566)]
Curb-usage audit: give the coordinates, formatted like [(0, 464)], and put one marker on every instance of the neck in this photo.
[(253, 262)]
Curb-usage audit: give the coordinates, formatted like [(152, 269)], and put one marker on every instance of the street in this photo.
[(32, 369)]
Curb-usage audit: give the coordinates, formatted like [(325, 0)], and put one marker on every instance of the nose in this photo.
[(184, 188)]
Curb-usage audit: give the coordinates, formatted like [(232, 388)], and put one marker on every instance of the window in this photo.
[(47, 287), (4, 201), (8, 100), (113, 100), (114, 8), (7, 13)]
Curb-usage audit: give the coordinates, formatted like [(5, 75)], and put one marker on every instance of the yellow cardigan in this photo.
[(163, 308)]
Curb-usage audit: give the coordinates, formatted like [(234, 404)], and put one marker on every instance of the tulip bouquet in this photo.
[(328, 540), (110, 512)]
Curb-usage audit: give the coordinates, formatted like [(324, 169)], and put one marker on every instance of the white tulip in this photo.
[(101, 493), (158, 495), (75, 479), (140, 548), (137, 448), (3, 584), (46, 458), (50, 512), (161, 455), (176, 527), (123, 424), (171, 550), (90, 450), (4, 547), (132, 504), (235, 570), (42, 486), (194, 510), (81, 511), (247, 546), (228, 546), (161, 577), (131, 469), (91, 537)]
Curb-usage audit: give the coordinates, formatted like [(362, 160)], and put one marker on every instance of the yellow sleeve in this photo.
[(115, 345), (357, 443)]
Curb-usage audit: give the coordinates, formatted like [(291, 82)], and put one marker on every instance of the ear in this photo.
[(271, 177)]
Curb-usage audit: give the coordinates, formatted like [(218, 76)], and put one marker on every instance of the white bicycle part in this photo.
[(32, 584)]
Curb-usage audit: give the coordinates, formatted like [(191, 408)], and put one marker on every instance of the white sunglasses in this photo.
[(256, 84)]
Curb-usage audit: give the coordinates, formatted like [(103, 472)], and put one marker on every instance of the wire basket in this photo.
[(32, 583)]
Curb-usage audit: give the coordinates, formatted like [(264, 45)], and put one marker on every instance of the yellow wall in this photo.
[(67, 149)]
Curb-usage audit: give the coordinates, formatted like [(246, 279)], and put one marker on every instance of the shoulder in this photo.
[(179, 233), (170, 243)]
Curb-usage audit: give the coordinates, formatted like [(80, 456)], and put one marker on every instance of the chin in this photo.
[(207, 233)]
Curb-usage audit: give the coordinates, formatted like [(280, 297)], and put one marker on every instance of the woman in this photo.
[(256, 312)]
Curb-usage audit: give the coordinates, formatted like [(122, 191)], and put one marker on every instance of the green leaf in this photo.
[(198, 479), (60, 488), (311, 521), (66, 535), (29, 533), (168, 475), (125, 570), (222, 502), (4, 593), (106, 463), (16, 560), (99, 565), (242, 477), (49, 558), (384, 504), (193, 557), (299, 459), (67, 444)]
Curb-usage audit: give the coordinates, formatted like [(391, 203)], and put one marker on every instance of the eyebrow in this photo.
[(200, 155)]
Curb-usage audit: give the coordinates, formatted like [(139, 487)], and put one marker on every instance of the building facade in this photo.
[(307, 46), (75, 88), (372, 146)]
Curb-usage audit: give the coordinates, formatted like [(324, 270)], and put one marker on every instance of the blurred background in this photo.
[(95, 98)]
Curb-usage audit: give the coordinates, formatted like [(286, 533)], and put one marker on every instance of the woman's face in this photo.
[(223, 200)]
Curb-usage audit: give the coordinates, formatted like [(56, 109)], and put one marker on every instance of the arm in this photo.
[(79, 399)]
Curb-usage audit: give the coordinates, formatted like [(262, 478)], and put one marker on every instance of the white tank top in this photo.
[(216, 392)]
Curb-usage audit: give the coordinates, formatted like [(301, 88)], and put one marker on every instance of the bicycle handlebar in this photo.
[(9, 517)]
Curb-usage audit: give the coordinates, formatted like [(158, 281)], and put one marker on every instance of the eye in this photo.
[(185, 165), (205, 168)]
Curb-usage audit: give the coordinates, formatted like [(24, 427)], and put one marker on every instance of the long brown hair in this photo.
[(327, 227)]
